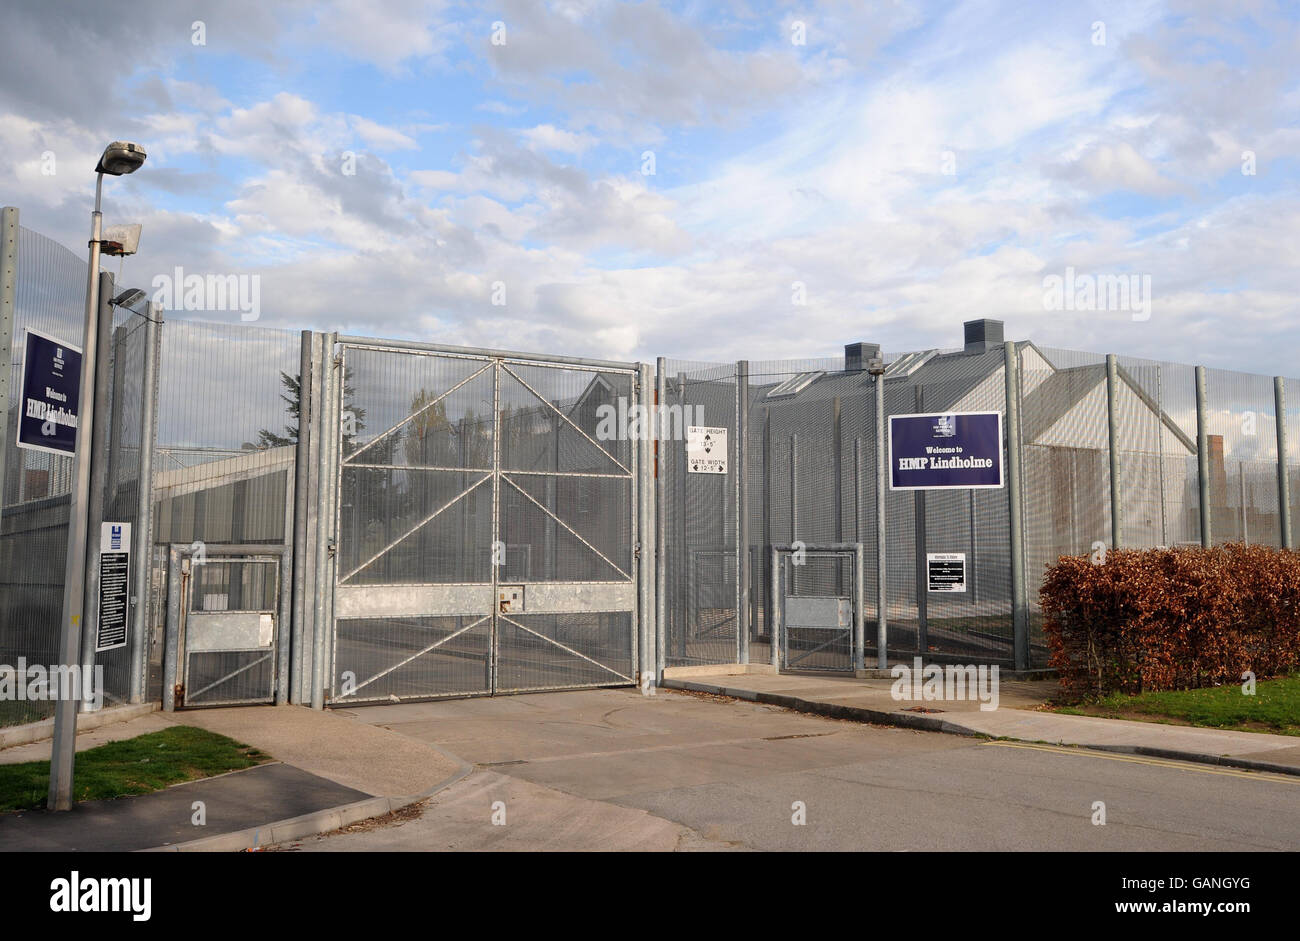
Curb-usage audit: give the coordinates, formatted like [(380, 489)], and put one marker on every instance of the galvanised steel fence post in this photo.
[(1112, 439), (1203, 457), (661, 529), (1019, 595), (144, 503), (742, 512), (1283, 491), (301, 497), (8, 291)]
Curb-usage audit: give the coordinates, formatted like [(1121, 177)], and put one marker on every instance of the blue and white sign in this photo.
[(945, 450), (50, 394)]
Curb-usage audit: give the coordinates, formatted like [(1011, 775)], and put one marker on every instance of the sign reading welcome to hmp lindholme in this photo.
[(50, 393), (952, 449)]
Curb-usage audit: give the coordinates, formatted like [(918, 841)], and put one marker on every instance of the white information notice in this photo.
[(706, 450), (947, 571)]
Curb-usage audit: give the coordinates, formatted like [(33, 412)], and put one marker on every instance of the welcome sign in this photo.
[(50, 392), (945, 450)]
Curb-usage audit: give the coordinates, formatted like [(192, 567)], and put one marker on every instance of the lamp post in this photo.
[(119, 158)]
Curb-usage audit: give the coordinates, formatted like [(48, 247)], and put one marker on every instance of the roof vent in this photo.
[(857, 355), (983, 335)]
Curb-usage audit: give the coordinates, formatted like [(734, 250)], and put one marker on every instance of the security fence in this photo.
[(385, 519), (48, 285), (808, 476)]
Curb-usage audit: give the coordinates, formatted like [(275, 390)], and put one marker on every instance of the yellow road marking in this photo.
[(1159, 762)]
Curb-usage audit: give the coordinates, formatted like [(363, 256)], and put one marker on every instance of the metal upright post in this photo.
[(1203, 458), (743, 573), (1019, 596), (64, 744), (301, 497), (324, 519), (646, 538), (882, 566), (1241, 482), (1112, 438), (99, 461), (1283, 491), (661, 516), (144, 504), (794, 506), (919, 545), (8, 290)]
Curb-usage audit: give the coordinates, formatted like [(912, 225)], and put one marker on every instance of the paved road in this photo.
[(613, 770)]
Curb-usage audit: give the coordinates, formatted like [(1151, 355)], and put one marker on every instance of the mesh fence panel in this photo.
[(50, 296), (700, 541), (1243, 458), (227, 430)]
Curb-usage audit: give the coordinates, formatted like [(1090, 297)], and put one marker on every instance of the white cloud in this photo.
[(549, 137)]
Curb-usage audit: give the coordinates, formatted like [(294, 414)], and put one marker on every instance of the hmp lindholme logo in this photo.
[(77, 894), (946, 426)]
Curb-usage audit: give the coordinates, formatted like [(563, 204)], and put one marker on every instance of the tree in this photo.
[(354, 417)]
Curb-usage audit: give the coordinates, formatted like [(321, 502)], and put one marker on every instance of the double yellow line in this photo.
[(1158, 762)]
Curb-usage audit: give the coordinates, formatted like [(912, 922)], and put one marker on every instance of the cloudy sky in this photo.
[(704, 180)]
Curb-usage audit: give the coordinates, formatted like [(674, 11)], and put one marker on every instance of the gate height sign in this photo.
[(50, 393), (706, 450), (942, 451)]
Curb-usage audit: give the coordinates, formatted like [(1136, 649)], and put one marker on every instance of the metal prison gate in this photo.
[(486, 520)]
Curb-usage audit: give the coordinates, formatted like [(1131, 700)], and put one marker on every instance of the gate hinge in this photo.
[(332, 548), (636, 551), (338, 360)]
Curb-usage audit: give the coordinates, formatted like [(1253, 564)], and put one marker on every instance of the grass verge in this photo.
[(132, 766), (1275, 707)]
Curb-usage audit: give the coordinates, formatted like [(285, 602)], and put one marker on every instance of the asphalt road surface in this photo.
[(615, 770)]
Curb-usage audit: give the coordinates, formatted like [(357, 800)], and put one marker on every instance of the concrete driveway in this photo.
[(615, 770)]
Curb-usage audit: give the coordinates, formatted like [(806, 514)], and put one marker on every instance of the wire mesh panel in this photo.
[(700, 556), (50, 296), (1242, 427), (486, 525), (227, 432)]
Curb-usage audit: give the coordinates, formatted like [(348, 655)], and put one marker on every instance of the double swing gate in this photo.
[(486, 522)]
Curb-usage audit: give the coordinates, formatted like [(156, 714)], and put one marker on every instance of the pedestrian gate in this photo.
[(486, 523), (223, 625), (818, 607)]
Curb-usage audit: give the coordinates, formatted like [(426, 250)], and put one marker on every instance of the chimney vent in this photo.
[(983, 335), (857, 355)]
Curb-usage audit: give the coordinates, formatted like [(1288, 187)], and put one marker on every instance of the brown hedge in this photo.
[(1160, 619)]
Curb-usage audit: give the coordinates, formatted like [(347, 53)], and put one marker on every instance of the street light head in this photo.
[(876, 366), (128, 298), (121, 157)]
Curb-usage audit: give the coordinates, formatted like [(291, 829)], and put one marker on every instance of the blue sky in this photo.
[(911, 165)]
